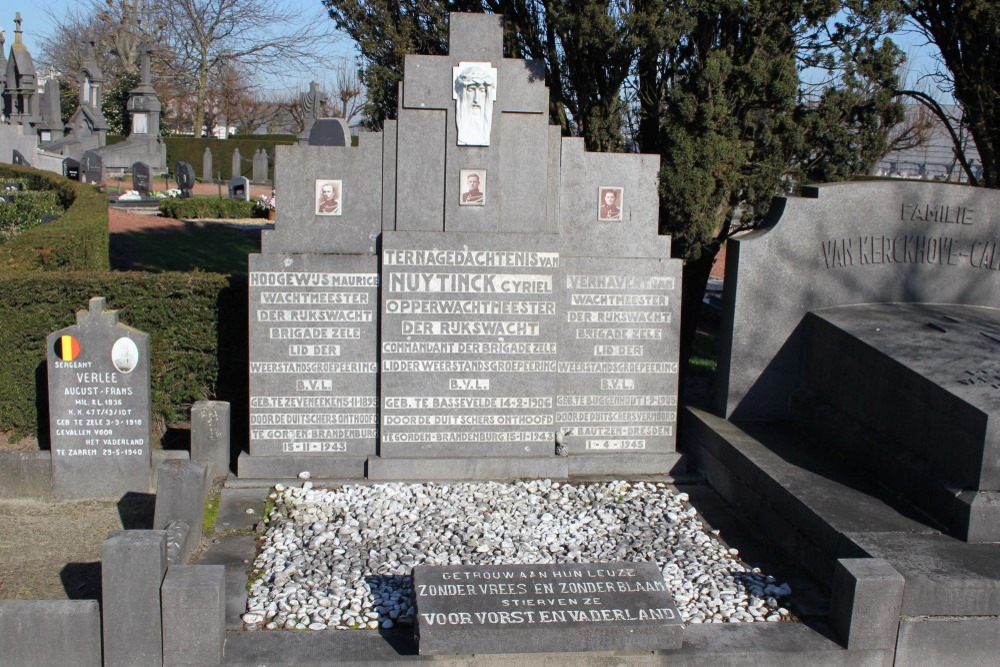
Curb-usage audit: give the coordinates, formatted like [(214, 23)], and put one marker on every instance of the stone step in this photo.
[(818, 509)]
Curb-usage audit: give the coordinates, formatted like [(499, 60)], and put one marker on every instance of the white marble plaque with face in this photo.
[(474, 92)]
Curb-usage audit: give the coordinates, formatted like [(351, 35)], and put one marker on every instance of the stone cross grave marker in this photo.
[(99, 406), (239, 188), (544, 608), (142, 178)]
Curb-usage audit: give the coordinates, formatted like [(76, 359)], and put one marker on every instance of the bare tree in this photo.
[(117, 26), (250, 36), (347, 91)]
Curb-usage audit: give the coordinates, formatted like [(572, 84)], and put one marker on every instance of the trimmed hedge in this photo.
[(193, 319), (192, 150), (76, 241), (206, 207), (24, 210)]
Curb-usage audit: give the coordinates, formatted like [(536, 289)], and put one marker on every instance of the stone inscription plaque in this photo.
[(544, 608), (469, 331), (313, 373), (99, 407), (618, 350)]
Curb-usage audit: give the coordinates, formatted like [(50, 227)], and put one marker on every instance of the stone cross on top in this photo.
[(96, 313), (475, 38)]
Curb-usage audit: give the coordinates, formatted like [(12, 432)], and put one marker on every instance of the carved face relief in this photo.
[(475, 90)]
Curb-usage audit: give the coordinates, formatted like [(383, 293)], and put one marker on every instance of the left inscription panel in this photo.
[(313, 368)]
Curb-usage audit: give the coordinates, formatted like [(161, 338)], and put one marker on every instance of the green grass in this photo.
[(211, 514), (705, 355), (215, 250)]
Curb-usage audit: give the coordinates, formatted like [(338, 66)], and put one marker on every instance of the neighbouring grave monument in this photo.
[(918, 244), (859, 394), (544, 608), (99, 406), (454, 297)]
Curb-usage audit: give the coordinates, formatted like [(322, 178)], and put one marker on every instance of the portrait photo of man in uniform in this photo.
[(610, 204), (473, 187), (474, 93), (329, 197)]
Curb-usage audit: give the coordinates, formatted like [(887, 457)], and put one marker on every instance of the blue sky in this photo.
[(37, 21)]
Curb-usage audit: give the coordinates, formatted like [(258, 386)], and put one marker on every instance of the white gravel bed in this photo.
[(343, 558)]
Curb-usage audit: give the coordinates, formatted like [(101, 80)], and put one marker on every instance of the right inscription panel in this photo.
[(618, 348)]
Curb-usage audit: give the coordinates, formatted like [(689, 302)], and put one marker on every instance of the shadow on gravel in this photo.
[(136, 510), (82, 581)]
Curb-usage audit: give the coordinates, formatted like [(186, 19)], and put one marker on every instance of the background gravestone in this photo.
[(142, 178), (18, 158), (206, 165), (99, 406), (93, 167), (330, 132), (260, 167), (185, 178), (239, 188), (237, 163), (71, 169)]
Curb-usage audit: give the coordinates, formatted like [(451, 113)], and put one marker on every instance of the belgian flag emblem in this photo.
[(67, 348)]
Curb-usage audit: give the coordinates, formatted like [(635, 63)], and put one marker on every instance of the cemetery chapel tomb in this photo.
[(466, 294)]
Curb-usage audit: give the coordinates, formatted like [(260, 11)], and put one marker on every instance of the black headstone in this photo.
[(20, 159), (184, 173), (544, 608), (71, 169), (142, 178), (92, 166), (99, 406), (329, 132)]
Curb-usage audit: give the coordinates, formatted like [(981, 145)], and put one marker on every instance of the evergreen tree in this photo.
[(967, 33)]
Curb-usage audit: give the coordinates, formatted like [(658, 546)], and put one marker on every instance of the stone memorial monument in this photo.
[(18, 158), (447, 300), (142, 178), (99, 406)]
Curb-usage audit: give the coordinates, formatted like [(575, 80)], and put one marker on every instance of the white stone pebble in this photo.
[(343, 558)]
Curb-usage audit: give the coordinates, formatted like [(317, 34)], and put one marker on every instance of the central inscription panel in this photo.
[(469, 352)]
